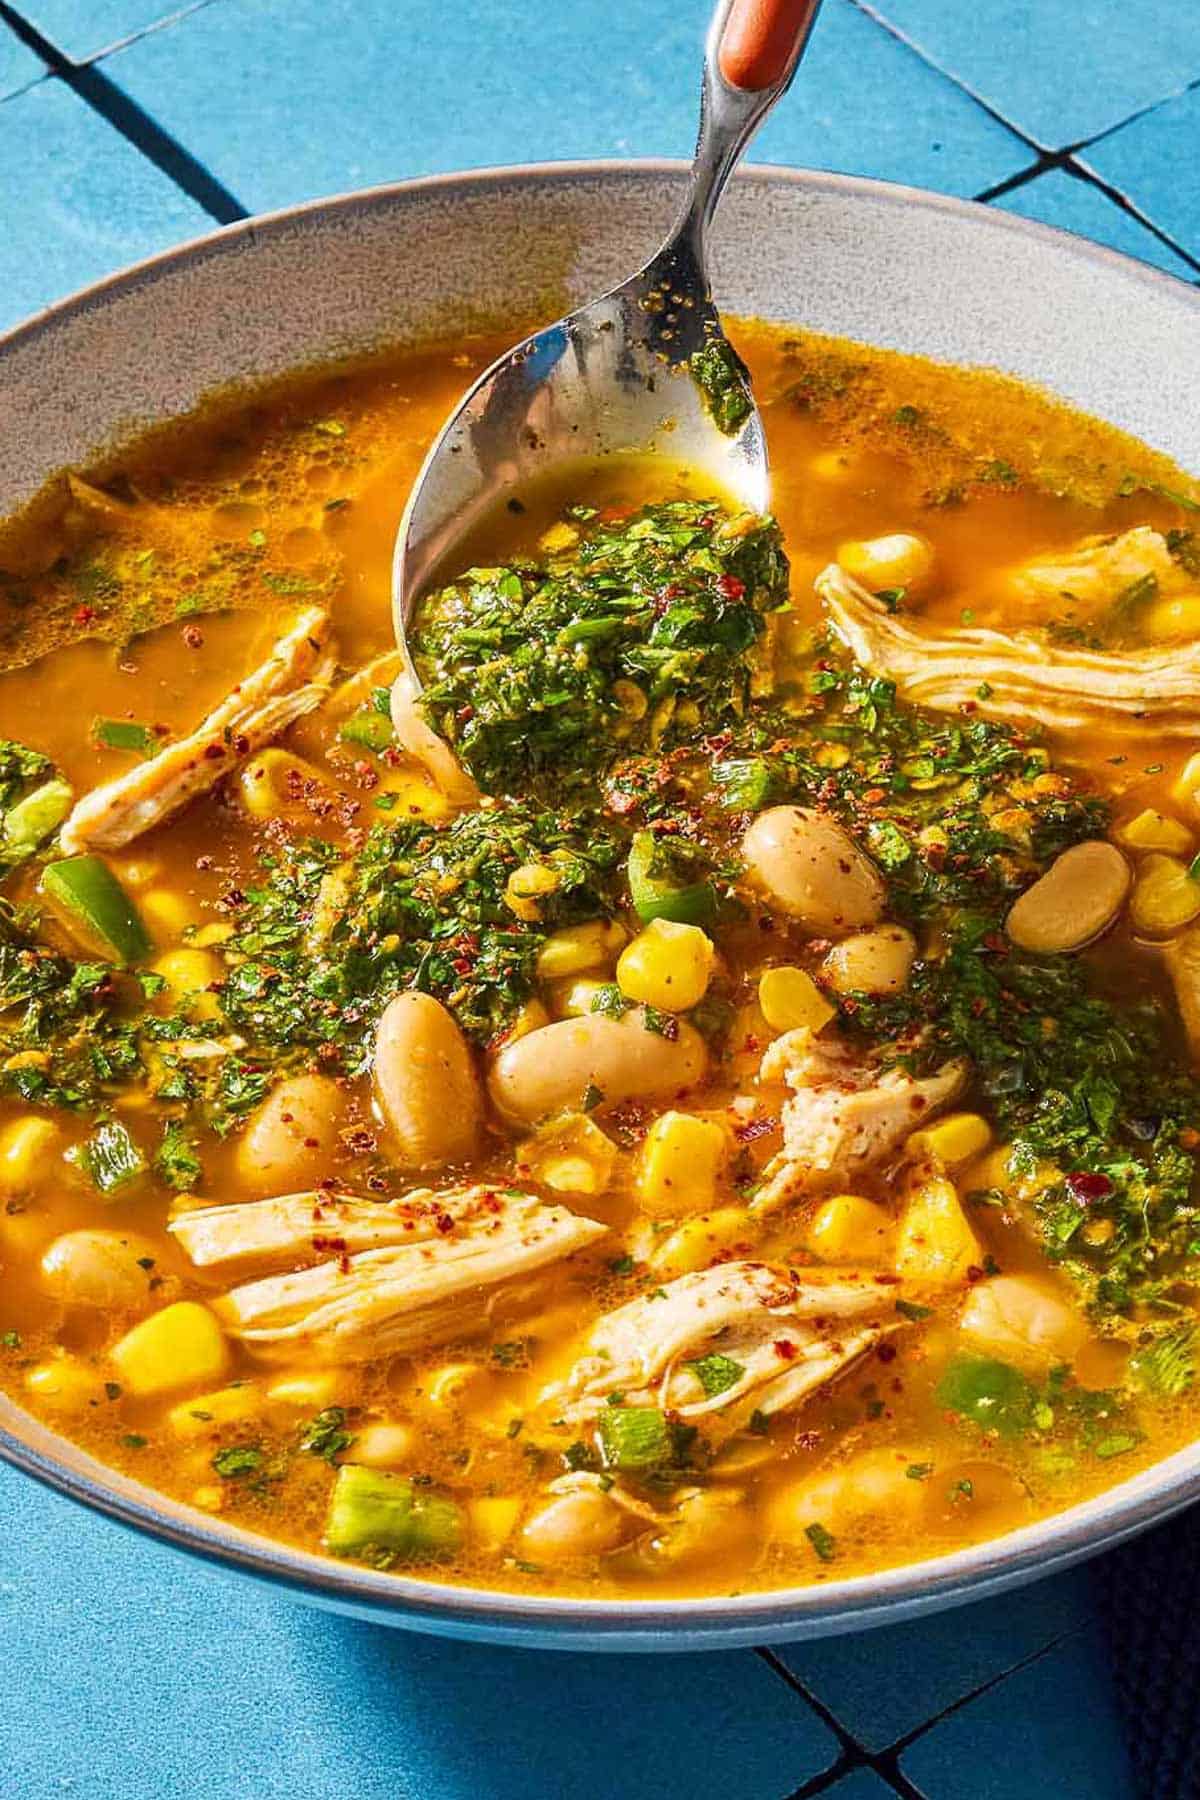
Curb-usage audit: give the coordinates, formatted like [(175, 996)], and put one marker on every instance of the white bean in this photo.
[(415, 734), (291, 1140), (813, 870), (1017, 1316), (1077, 898), (872, 962), (100, 1268), (553, 1069), (583, 1523), (426, 1081)]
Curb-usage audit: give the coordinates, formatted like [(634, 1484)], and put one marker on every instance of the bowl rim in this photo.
[(575, 1622)]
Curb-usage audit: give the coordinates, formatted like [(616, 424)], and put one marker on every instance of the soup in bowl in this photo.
[(692, 1094)]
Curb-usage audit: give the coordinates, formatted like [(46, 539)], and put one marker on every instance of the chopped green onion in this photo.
[(657, 893), (111, 1157), (373, 1511), (86, 888), (32, 819), (745, 783), (822, 1541), (367, 727), (634, 1437), (124, 734)]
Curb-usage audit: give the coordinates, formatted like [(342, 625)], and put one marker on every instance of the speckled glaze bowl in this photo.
[(857, 258)]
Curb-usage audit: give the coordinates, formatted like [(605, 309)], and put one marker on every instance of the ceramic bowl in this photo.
[(859, 259)]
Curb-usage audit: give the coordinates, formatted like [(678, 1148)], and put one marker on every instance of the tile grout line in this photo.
[(182, 11), (1046, 158), (146, 135), (852, 1754)]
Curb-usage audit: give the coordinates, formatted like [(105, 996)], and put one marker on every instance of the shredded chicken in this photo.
[(782, 1335), (1098, 571), (843, 1115), (440, 1282), (1018, 678), (295, 1227), (292, 681)]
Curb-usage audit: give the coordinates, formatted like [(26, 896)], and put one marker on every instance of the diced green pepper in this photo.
[(111, 1157), (634, 1437), (367, 727), (373, 1511), (124, 734), (86, 888), (33, 819), (657, 893), (746, 783)]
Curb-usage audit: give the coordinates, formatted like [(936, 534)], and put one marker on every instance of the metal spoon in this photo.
[(621, 373)]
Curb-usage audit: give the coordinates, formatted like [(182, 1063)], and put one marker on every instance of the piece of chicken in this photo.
[(406, 1297), (293, 680), (306, 1227), (844, 1113), (1095, 573), (1019, 679), (763, 1335)]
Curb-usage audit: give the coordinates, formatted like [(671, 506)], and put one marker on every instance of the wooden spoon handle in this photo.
[(762, 41)]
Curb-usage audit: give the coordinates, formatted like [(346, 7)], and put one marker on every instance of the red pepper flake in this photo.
[(444, 1223), (874, 795), (1085, 1188), (84, 615), (213, 752), (754, 1128), (807, 1440), (193, 637), (783, 1347), (730, 588), (886, 1353)]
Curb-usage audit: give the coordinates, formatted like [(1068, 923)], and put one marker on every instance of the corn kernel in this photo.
[(415, 797), (273, 782), (1153, 830), (227, 1406), (572, 999), (317, 1388), (1164, 897), (700, 1240), (682, 1158), (900, 559), (952, 1140), (381, 1446), (181, 1346), (531, 1017), (1167, 620), (847, 1228), (577, 949), (167, 913), (790, 999), (1002, 1168), (667, 966), (1186, 784), (26, 1152), (493, 1519), (559, 537), (64, 1384), (526, 886), (189, 974), (631, 700), (210, 935), (571, 1155), (935, 1242)]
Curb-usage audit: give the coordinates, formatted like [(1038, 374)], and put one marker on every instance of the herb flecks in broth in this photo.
[(680, 1169)]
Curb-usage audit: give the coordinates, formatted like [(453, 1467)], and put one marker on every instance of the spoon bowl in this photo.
[(645, 368)]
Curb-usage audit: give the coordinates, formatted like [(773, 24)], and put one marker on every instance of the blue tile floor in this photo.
[(128, 125)]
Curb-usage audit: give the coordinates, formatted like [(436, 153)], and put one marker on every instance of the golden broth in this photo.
[(148, 608)]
